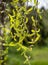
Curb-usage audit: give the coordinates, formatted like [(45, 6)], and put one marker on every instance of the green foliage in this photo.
[(39, 57), (18, 31), (43, 28)]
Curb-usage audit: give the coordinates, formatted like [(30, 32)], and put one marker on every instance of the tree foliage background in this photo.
[(21, 27)]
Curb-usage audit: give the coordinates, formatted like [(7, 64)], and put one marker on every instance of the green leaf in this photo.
[(29, 10), (26, 20), (17, 23)]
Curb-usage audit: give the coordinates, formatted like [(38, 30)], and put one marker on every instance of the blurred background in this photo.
[(40, 49)]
